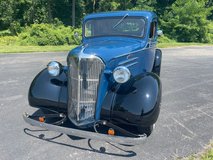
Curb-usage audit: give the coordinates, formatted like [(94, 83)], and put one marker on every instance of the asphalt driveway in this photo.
[(184, 127)]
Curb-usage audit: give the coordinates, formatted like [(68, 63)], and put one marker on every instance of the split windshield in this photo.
[(115, 26)]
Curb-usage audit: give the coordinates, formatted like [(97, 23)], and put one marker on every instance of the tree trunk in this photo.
[(93, 6), (73, 13), (49, 11)]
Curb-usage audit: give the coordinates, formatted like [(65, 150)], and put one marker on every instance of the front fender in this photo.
[(157, 63), (48, 91), (138, 102)]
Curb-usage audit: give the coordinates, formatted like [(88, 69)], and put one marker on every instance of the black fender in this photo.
[(157, 63), (48, 91), (138, 102)]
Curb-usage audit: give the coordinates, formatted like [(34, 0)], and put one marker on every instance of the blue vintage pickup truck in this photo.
[(110, 89)]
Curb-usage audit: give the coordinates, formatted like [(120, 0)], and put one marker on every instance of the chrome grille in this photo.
[(83, 86)]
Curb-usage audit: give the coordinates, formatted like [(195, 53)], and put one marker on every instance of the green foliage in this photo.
[(42, 35), (24, 12), (187, 21), (27, 49), (164, 39), (109, 5), (5, 33), (47, 34), (6, 13), (206, 154), (8, 40), (15, 28), (145, 5), (37, 12), (210, 32), (77, 35), (184, 21)]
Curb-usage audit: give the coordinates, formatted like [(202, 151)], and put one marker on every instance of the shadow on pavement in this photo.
[(102, 150)]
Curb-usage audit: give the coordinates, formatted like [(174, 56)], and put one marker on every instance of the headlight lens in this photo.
[(121, 74), (54, 68)]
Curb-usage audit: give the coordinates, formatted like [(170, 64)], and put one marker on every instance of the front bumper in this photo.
[(86, 134)]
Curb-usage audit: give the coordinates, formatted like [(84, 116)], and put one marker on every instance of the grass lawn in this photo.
[(178, 44), (27, 49), (207, 154)]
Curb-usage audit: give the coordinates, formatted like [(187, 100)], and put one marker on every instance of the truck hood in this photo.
[(108, 49)]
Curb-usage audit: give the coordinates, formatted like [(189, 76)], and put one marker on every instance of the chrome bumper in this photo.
[(85, 134)]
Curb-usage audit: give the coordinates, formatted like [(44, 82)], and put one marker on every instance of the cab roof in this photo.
[(147, 14)]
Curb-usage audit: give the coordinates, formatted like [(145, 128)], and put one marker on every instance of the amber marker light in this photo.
[(41, 119), (111, 132)]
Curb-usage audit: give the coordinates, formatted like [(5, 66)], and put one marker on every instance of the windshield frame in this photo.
[(132, 36)]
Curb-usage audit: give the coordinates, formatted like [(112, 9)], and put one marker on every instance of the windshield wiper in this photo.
[(121, 20)]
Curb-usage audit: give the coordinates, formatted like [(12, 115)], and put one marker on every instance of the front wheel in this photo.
[(147, 130)]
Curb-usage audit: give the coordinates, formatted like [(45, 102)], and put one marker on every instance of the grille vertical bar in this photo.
[(83, 87)]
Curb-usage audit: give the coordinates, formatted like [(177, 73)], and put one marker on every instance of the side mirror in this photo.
[(76, 35), (159, 32), (77, 38)]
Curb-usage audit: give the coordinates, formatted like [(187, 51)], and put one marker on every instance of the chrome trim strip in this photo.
[(79, 96), (84, 101), (92, 80), (86, 134), (125, 54), (132, 64), (127, 61)]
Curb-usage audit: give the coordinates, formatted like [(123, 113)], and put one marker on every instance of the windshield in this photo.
[(115, 26)]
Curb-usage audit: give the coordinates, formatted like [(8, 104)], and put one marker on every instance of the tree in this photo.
[(163, 5), (6, 13), (149, 5), (39, 11), (73, 13), (187, 21), (110, 5)]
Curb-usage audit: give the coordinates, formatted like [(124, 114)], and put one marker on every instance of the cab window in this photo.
[(115, 26), (153, 30)]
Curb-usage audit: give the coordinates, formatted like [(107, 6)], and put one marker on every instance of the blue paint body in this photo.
[(115, 49), (143, 88)]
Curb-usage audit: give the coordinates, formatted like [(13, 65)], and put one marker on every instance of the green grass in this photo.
[(26, 49), (207, 154), (178, 44)]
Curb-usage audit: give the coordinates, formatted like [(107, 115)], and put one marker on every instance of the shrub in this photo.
[(78, 38), (5, 33), (47, 34), (164, 39), (8, 40), (210, 35), (15, 28)]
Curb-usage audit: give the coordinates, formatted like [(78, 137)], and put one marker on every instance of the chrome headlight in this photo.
[(54, 68), (121, 74)]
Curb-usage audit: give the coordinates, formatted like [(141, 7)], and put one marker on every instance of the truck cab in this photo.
[(112, 79)]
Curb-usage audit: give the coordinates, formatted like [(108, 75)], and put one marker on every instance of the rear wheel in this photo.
[(147, 130)]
